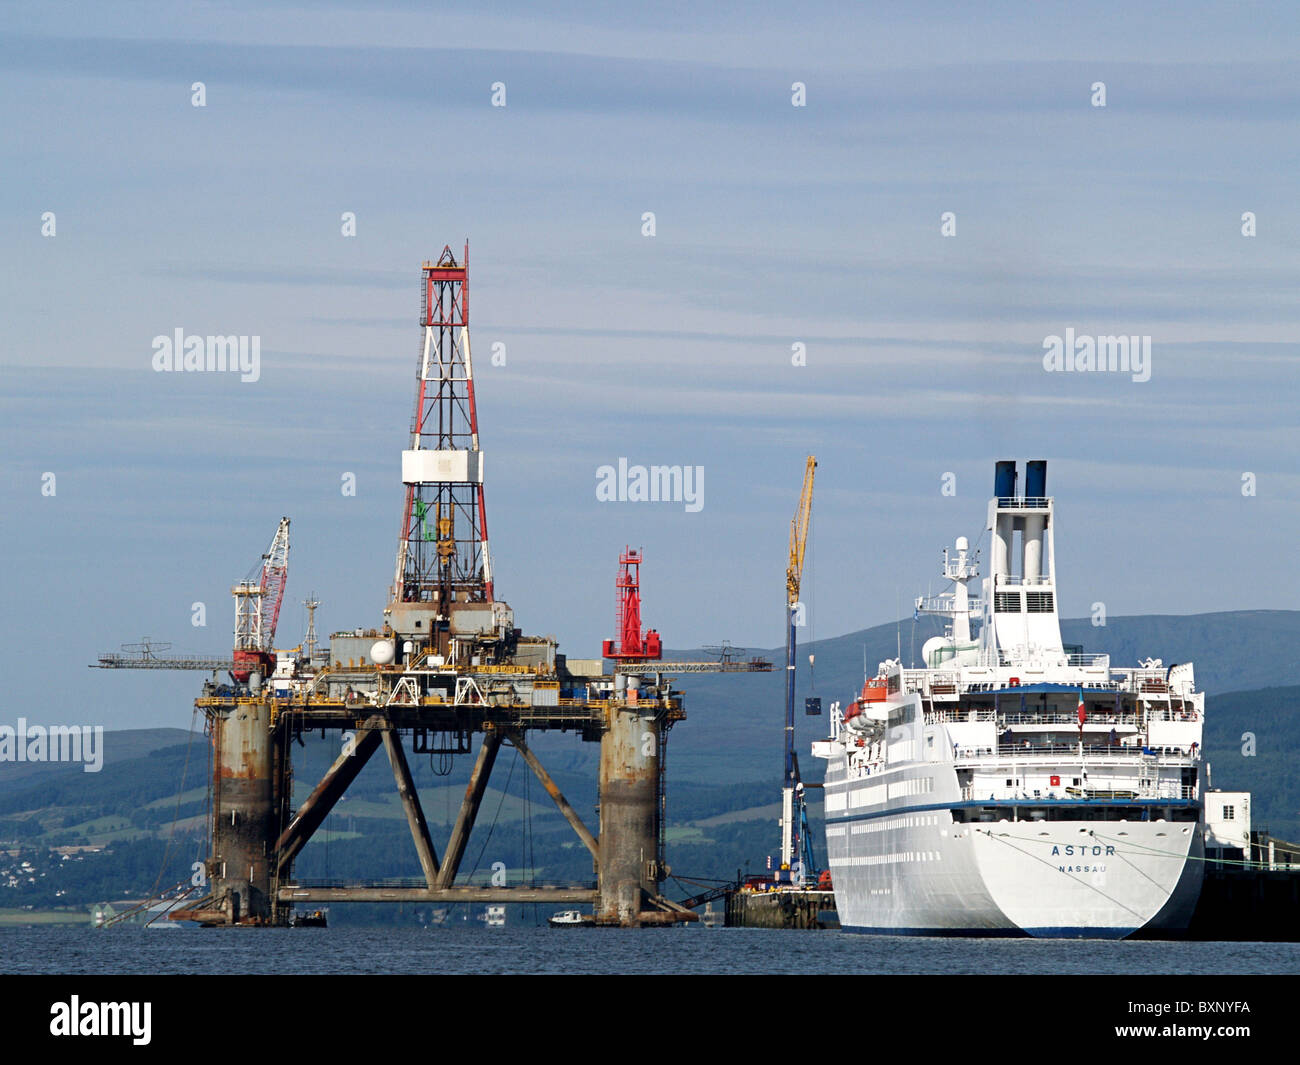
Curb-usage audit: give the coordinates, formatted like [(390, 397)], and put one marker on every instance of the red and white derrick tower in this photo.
[(444, 566)]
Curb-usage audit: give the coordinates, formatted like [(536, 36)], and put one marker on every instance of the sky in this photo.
[(775, 225)]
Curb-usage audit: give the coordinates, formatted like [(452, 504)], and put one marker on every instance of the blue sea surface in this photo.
[(690, 949)]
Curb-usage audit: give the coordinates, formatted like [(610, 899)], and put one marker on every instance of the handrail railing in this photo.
[(956, 717), (1065, 750), (1094, 718), (1165, 790)]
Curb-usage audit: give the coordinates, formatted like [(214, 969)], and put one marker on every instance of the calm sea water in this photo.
[(691, 949)]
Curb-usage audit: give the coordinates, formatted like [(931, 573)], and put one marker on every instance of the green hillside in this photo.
[(142, 820), (735, 721)]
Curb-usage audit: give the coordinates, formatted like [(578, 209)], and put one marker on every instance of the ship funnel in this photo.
[(1035, 490), (1004, 488), (1004, 480), (1036, 479)]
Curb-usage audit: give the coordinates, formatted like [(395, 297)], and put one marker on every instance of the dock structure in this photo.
[(446, 669), (790, 908)]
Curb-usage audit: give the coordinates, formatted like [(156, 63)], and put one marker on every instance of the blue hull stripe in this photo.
[(967, 803), (997, 933)]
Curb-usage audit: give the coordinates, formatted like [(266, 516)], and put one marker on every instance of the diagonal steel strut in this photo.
[(312, 813), (570, 814), (411, 804), (487, 756)]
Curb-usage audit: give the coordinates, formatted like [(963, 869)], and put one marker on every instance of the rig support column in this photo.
[(629, 814), (243, 809)]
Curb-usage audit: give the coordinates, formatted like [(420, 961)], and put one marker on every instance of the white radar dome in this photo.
[(381, 654)]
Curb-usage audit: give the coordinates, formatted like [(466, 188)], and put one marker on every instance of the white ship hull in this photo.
[(914, 870)]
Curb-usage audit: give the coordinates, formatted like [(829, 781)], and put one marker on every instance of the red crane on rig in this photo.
[(631, 643), (635, 652)]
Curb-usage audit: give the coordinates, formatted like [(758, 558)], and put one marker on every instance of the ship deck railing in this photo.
[(1096, 718), (916, 681), (1072, 720), (1058, 750), (1089, 660), (959, 716), (1167, 792)]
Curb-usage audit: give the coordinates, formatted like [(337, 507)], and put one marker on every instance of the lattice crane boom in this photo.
[(275, 573), (799, 533), (257, 608)]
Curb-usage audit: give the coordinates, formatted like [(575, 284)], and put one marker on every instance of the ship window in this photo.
[(1076, 782), (1229, 813), (1006, 602), (1038, 602)]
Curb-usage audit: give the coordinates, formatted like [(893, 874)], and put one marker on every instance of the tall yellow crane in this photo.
[(791, 832), (799, 533)]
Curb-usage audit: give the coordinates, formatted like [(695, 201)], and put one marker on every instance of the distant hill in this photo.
[(1272, 718), (119, 746), (724, 770), (735, 723)]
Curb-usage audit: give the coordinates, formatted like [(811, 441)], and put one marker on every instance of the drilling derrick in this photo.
[(442, 588), (447, 667)]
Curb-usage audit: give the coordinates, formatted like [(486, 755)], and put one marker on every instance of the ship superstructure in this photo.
[(1013, 785)]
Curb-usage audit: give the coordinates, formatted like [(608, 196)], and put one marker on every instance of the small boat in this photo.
[(567, 919), (312, 919)]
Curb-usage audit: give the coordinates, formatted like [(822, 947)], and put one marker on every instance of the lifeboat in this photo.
[(856, 721), (875, 702)]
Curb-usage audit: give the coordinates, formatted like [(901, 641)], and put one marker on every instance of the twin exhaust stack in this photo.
[(1005, 522)]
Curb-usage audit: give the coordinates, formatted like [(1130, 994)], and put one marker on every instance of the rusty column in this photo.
[(243, 812), (629, 812)]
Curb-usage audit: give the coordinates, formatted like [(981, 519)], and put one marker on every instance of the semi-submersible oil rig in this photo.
[(447, 664)]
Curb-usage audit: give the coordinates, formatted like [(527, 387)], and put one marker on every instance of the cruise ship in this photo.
[(1013, 785)]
